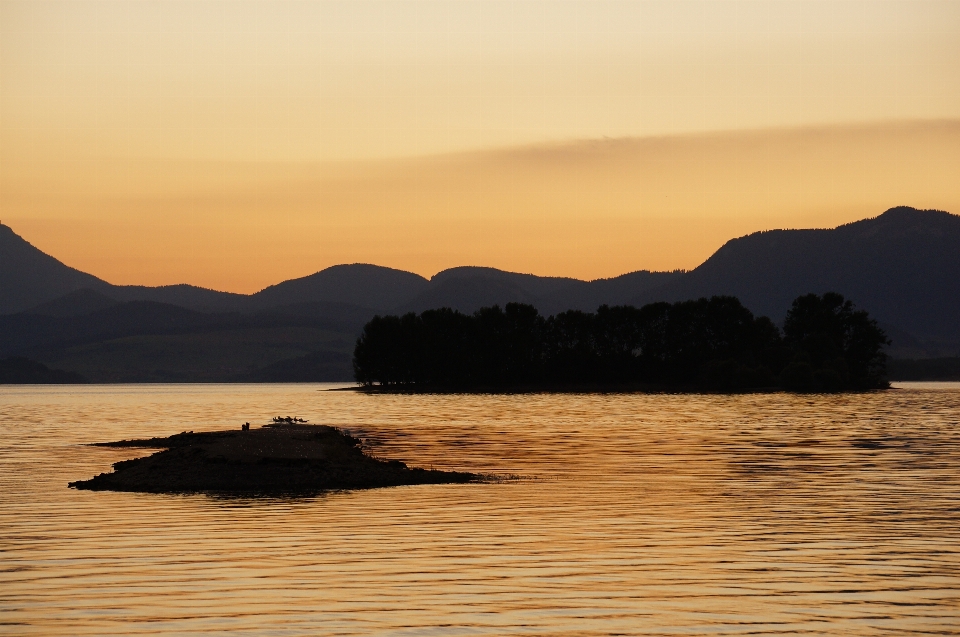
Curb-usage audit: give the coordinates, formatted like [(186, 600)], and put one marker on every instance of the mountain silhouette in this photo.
[(29, 277), (189, 296), (23, 371), (903, 267), (358, 284), (76, 303), (468, 288), (620, 290), (36, 282), (25, 331)]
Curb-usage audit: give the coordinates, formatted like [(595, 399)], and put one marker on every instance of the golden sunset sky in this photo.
[(236, 144)]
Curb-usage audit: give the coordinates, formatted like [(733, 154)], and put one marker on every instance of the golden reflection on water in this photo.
[(639, 514)]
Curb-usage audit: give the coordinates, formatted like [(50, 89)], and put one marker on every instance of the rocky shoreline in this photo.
[(274, 459)]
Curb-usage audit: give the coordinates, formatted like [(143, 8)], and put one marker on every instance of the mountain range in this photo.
[(902, 266)]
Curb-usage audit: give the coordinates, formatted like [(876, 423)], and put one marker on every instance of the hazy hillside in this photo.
[(357, 284), (470, 288), (76, 303), (188, 296), (25, 332), (39, 284), (621, 290), (29, 277), (22, 371), (903, 267), (31, 280), (243, 354), (144, 341)]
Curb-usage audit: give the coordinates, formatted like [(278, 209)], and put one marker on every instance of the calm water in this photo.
[(700, 515)]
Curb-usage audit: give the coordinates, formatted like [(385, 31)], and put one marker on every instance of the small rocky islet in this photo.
[(285, 457)]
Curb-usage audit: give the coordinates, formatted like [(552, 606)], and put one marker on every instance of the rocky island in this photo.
[(279, 458)]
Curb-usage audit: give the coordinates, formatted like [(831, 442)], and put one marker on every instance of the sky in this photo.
[(237, 144)]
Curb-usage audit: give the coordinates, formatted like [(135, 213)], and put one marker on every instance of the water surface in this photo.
[(639, 514)]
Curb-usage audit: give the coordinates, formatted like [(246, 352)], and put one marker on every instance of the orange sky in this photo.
[(236, 144)]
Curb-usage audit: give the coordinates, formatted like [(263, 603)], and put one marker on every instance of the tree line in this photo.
[(717, 344)]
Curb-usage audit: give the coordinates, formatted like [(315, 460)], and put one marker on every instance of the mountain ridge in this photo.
[(377, 288), (902, 266), (29, 277)]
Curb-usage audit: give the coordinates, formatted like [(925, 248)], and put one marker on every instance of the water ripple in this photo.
[(642, 515)]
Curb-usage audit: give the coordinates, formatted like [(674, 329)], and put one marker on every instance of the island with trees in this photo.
[(711, 344)]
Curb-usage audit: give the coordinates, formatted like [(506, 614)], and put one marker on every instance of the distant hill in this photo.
[(39, 284), (31, 278), (23, 371), (470, 288), (903, 267), (621, 290), (357, 284), (144, 341), (76, 303), (28, 277), (938, 369), (25, 332), (324, 366), (188, 296)]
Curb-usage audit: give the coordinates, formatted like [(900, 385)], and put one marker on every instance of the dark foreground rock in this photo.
[(273, 459)]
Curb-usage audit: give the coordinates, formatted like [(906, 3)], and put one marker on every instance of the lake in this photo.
[(631, 514)]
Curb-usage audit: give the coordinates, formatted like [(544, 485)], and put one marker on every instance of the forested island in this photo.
[(715, 344)]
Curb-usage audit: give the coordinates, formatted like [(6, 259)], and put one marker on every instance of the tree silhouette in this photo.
[(703, 344), (835, 346)]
